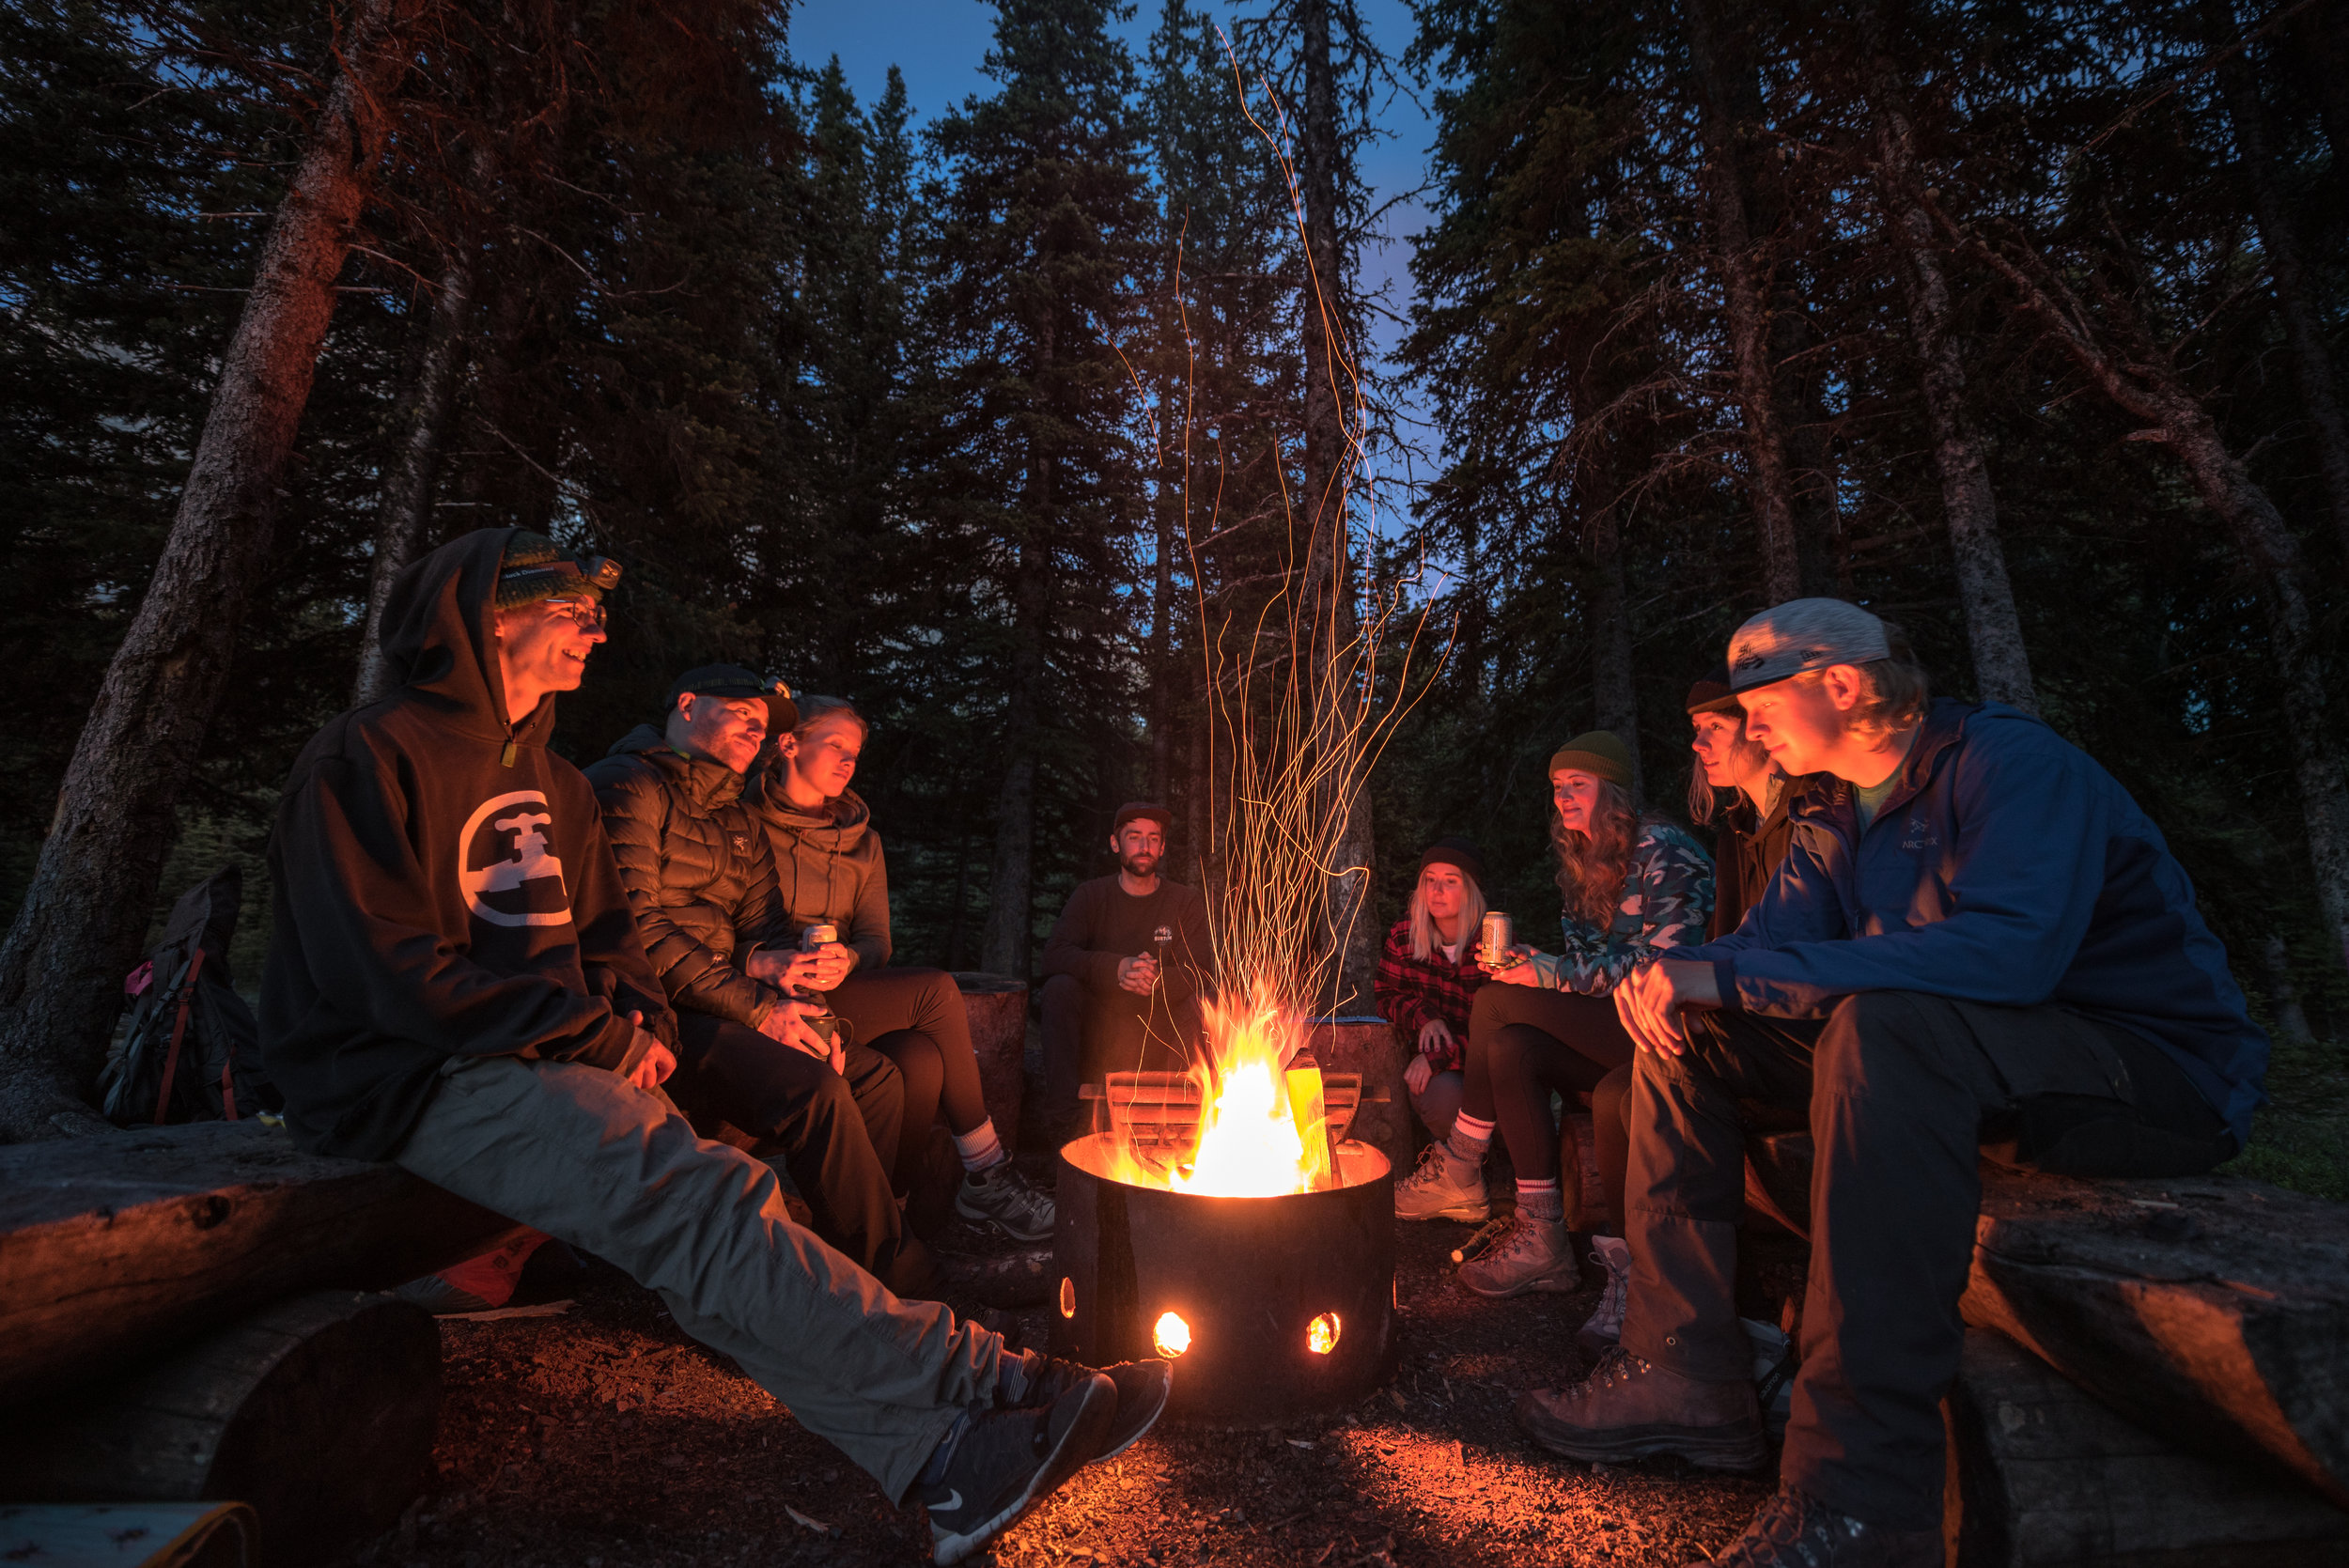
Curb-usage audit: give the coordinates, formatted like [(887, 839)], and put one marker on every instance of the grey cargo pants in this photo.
[(1906, 1092), (586, 1156)]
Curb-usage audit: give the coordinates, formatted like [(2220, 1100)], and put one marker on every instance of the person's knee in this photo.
[(1872, 1036), (1488, 1010)]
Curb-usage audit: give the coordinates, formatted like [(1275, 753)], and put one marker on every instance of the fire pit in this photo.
[(1223, 1221)]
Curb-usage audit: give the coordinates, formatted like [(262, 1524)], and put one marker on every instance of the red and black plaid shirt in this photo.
[(1410, 991)]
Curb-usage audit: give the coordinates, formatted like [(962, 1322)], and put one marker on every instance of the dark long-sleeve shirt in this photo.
[(1104, 925)]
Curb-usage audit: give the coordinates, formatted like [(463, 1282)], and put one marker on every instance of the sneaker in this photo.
[(1430, 1193), (1008, 1459), (1142, 1388), (1630, 1410), (1795, 1529), (1001, 1196), (1604, 1327), (1533, 1255)]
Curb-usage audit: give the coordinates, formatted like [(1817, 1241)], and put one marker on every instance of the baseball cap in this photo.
[(1803, 634)]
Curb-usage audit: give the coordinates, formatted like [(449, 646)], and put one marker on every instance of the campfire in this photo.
[(1224, 1222)]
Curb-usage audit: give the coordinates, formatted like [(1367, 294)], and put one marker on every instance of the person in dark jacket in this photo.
[(1977, 945), (701, 881), (455, 983), (1736, 789), (829, 864), (1110, 1004), (1429, 977)]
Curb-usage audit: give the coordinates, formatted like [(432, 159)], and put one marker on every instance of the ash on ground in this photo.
[(604, 1438)]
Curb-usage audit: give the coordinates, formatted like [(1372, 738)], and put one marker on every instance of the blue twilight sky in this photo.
[(940, 43)]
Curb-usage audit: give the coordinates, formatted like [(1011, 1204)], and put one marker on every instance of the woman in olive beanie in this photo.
[(1632, 887)]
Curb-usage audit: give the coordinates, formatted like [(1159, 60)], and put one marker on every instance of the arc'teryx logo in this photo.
[(503, 863)]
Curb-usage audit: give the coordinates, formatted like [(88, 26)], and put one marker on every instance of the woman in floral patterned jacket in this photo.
[(1633, 887)]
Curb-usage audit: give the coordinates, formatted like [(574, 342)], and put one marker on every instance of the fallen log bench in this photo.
[(116, 1250)]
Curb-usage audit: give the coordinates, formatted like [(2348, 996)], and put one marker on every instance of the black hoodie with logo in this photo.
[(440, 885)]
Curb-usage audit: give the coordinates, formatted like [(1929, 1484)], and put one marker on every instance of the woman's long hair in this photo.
[(1425, 938), (1591, 866)]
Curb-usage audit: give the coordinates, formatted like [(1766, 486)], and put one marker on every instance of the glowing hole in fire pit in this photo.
[(1321, 1334), (1067, 1296), (1172, 1334)]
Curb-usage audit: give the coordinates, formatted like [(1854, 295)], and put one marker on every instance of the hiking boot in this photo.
[(1604, 1327), (1795, 1529), (1629, 1410), (1142, 1388), (1005, 1460), (1429, 1192), (1002, 1197), (1533, 1255)]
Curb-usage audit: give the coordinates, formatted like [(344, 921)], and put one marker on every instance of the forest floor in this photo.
[(604, 1438)]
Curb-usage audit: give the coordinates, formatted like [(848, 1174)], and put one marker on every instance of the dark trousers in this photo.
[(916, 1018), (836, 1133), (1905, 1094), (1525, 1042), (1089, 1035)]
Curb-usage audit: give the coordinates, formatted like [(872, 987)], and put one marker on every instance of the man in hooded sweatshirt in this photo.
[(701, 881), (454, 982)]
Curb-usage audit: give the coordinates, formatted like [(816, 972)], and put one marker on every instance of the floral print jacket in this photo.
[(1667, 898)]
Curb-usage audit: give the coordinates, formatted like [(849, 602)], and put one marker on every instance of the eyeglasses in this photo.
[(587, 613)]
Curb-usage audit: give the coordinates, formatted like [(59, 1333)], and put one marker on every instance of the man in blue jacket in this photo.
[(1977, 944)]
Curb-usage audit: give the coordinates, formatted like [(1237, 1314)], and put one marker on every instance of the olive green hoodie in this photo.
[(827, 862)]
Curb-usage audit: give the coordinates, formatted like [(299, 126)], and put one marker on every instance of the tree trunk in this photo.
[(2287, 267), (403, 521), (84, 913), (1328, 582), (1993, 629), (1612, 690), (2144, 384), (1769, 485), (1010, 917), (2325, 74)]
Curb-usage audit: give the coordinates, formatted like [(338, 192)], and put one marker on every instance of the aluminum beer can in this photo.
[(818, 936), (1493, 939)]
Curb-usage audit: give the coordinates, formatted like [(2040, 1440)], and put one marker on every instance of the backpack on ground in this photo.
[(193, 1050)]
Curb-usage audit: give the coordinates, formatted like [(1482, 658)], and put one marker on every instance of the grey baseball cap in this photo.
[(1803, 634)]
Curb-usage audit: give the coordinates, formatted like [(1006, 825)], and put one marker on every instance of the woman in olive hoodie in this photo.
[(831, 872)]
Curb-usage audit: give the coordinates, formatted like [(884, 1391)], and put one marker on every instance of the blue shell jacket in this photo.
[(2005, 867)]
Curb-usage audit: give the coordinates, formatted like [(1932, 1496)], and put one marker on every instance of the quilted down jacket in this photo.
[(699, 873)]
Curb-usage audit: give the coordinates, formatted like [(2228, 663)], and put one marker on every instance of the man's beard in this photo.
[(1140, 867)]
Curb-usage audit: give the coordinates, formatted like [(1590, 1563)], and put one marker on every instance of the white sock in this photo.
[(980, 1147), (1464, 1151), (1541, 1201)]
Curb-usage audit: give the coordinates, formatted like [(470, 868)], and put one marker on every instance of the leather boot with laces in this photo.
[(1532, 1255), (1431, 1192), (1795, 1529), (1630, 1410)]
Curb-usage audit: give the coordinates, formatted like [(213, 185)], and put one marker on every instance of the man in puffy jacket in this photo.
[(700, 878), (454, 982), (1977, 944)]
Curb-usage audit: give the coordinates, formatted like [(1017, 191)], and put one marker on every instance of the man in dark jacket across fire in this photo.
[(454, 982), (700, 878), (1977, 945)]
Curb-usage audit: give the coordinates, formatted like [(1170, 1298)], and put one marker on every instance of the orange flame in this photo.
[(1261, 1128)]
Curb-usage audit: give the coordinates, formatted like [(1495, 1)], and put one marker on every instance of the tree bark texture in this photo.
[(2144, 385), (1328, 582), (1994, 631), (1769, 480), (1003, 946), (2323, 56), (403, 522), (2287, 265), (84, 913)]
